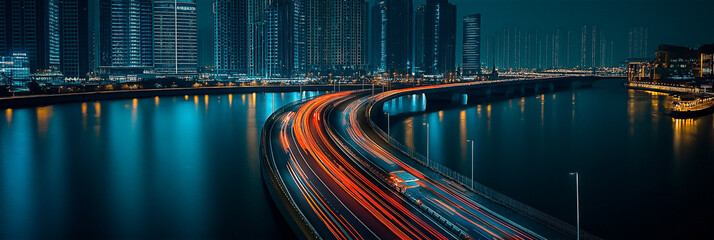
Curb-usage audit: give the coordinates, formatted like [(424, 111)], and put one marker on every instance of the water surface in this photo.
[(173, 167)]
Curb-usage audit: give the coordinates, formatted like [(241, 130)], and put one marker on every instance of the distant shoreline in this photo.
[(52, 99)]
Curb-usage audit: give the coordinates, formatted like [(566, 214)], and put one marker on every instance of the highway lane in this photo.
[(339, 199), (438, 195)]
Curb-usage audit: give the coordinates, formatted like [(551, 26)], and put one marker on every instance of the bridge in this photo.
[(335, 174)]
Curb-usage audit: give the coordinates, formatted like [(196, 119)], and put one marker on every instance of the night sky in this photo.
[(678, 22)]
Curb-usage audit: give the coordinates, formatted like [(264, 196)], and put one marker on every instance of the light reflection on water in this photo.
[(8, 116), (185, 168), (632, 157)]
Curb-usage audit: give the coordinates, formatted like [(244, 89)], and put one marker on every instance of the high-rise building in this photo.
[(257, 38), (590, 47), (175, 38), (377, 59), (78, 48), (440, 37), (126, 35), (336, 36), (472, 45), (419, 40), (31, 27), (637, 42), (277, 38), (14, 68), (394, 35), (231, 38)]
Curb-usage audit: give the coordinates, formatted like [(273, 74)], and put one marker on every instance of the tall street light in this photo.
[(388, 127), (427, 143), (472, 162), (577, 199)]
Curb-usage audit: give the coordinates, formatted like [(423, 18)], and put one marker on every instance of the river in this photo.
[(183, 167)]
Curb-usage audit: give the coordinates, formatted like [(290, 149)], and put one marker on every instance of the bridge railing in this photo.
[(478, 188), (274, 176)]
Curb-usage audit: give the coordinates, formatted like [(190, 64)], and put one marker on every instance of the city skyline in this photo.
[(130, 40), (624, 15)]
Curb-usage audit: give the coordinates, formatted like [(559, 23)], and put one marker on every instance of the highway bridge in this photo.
[(336, 175)]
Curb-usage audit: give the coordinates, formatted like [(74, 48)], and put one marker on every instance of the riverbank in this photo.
[(44, 100)]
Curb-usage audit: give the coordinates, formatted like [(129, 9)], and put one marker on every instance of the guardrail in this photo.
[(493, 195), (281, 188)]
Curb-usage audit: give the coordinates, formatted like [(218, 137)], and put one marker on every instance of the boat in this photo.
[(691, 106)]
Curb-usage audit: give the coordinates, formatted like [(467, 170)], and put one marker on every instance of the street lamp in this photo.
[(472, 162), (577, 199), (427, 143), (388, 127)]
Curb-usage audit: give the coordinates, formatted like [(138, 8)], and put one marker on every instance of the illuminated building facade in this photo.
[(336, 37), (231, 38), (31, 27), (707, 61), (394, 26), (14, 68), (638, 39), (419, 40), (439, 37), (277, 38), (78, 58), (126, 34), (175, 38), (472, 45)]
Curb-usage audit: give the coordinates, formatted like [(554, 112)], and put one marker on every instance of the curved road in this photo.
[(344, 182)]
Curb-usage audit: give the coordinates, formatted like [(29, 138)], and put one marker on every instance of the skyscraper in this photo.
[(175, 37), (31, 27), (126, 35), (590, 52), (257, 38), (231, 37), (278, 38), (394, 36), (472, 45), (439, 37), (419, 39), (77, 38), (377, 45), (637, 42), (336, 36)]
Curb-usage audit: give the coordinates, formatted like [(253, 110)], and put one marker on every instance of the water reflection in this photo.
[(409, 132), (230, 100), (685, 134), (463, 134), (8, 116), (44, 114), (17, 191), (170, 171), (134, 111)]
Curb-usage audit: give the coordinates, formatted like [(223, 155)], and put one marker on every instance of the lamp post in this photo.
[(427, 143), (472, 162), (388, 127), (577, 200)]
